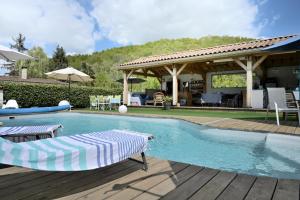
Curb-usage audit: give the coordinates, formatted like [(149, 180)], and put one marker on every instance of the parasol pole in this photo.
[(69, 78)]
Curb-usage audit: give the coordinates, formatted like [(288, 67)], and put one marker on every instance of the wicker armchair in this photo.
[(158, 98)]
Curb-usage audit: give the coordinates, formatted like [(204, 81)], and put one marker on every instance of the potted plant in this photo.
[(167, 102)]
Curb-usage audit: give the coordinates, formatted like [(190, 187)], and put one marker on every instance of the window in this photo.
[(228, 80)]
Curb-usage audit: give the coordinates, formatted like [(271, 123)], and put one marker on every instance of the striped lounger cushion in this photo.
[(74, 153), (32, 130)]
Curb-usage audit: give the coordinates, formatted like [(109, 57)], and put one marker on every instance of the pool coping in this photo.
[(214, 122)]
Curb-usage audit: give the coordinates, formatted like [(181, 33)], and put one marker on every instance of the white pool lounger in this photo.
[(28, 133), (77, 152)]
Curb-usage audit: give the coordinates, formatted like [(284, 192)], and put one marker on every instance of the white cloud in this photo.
[(139, 21), (51, 22)]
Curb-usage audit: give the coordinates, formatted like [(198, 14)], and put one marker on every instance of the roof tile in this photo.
[(256, 44)]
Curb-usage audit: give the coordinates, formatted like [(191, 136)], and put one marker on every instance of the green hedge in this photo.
[(29, 95)]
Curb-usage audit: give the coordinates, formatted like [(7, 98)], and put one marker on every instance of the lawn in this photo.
[(203, 113)]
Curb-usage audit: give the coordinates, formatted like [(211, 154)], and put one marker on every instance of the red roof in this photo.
[(252, 45)]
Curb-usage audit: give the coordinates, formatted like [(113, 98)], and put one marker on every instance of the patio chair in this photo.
[(102, 102), (29, 133), (116, 101), (93, 102), (277, 101), (158, 98), (76, 152), (108, 100)]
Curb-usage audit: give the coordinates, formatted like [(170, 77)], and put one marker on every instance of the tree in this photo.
[(37, 68), (84, 67), (104, 63), (59, 59), (19, 43)]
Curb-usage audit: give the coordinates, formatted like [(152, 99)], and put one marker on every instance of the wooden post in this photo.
[(175, 86), (249, 67), (249, 81), (125, 88), (174, 73)]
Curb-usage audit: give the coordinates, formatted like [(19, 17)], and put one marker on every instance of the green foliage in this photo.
[(85, 68), (38, 67), (168, 99), (104, 63), (228, 80), (104, 80), (29, 95), (19, 43), (151, 83), (59, 60)]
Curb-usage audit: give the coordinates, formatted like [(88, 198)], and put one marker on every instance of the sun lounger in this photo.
[(75, 153), (27, 133), (277, 101)]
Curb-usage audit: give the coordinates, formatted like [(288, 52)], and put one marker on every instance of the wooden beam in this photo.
[(142, 74), (168, 69), (125, 88), (181, 68), (130, 73), (260, 60), (175, 86), (240, 63), (249, 82), (145, 71), (157, 74)]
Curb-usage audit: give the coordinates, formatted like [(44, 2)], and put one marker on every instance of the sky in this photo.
[(86, 26)]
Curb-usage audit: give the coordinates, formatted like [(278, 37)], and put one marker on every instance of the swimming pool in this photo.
[(239, 151)]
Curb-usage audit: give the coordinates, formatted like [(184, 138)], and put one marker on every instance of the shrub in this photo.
[(30, 95)]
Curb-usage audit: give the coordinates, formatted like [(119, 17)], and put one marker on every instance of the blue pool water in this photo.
[(238, 151)]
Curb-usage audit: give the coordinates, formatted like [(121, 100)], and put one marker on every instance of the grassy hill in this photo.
[(104, 62)]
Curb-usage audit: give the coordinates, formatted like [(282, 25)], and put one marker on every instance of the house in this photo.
[(273, 62)]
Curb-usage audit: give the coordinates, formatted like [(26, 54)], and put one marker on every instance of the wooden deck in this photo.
[(126, 180)]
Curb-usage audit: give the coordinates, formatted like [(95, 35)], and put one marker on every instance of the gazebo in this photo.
[(249, 58)]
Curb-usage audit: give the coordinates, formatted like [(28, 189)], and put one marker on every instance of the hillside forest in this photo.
[(102, 65)]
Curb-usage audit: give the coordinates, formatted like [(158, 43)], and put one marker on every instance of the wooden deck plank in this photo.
[(239, 188), (14, 179), (110, 188), (169, 184), (224, 124), (85, 181), (287, 189), (22, 190), (41, 187), (126, 180), (214, 187), (12, 170), (136, 188), (188, 188), (297, 130), (262, 189)]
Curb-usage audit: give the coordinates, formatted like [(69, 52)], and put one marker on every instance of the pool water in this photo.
[(238, 151)]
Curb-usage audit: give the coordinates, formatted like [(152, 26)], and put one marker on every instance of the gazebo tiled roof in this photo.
[(244, 46)]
